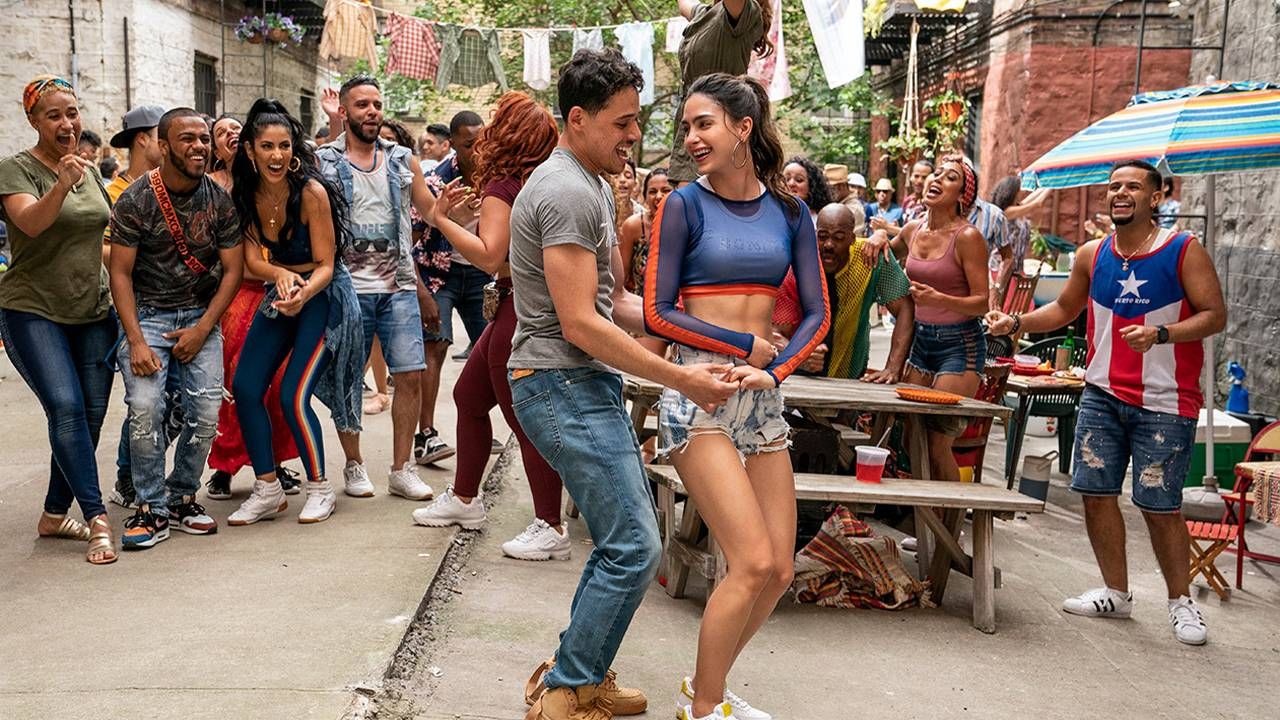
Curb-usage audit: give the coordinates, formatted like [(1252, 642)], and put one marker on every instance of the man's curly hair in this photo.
[(592, 77)]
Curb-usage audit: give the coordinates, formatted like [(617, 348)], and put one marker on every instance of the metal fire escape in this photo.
[(243, 60)]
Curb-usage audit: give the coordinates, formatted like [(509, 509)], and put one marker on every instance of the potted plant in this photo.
[(281, 29), (252, 29), (905, 147), (949, 105)]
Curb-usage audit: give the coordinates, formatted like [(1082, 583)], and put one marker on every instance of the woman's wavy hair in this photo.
[(742, 97), (518, 139), (820, 194), (403, 136), (267, 113)]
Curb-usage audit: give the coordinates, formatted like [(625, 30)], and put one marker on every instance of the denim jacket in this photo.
[(336, 168)]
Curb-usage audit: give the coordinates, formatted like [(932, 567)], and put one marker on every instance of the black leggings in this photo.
[(270, 340)]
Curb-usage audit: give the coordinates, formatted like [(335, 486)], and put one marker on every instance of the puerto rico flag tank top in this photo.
[(1149, 292)]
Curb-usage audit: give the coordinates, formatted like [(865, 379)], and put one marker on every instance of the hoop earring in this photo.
[(295, 164), (746, 157)]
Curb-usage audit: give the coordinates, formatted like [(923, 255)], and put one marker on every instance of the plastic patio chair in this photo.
[(1267, 442), (1063, 405)]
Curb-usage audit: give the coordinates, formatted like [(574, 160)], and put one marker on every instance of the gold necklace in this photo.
[(275, 208), (1124, 266)]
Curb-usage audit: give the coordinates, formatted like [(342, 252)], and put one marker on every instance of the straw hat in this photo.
[(884, 184), (836, 174)]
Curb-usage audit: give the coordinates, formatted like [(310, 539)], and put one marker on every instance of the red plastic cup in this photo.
[(870, 466)]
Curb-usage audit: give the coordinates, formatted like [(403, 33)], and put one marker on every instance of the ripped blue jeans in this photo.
[(198, 392), (1111, 433)]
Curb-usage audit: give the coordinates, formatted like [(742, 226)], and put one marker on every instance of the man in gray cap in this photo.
[(138, 136)]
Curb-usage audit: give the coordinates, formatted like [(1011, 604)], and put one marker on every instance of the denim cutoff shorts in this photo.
[(751, 419), (1110, 434), (949, 349)]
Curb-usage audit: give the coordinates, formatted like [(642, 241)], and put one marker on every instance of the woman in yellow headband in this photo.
[(54, 308)]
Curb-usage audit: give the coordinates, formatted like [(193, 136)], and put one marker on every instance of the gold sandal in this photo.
[(70, 528), (100, 542)]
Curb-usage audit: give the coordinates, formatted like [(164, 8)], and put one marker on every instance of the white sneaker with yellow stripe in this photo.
[(733, 707)]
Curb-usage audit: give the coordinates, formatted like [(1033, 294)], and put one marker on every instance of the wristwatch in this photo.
[(1162, 335)]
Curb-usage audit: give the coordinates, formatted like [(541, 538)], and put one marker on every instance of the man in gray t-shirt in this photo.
[(562, 203), (564, 265)]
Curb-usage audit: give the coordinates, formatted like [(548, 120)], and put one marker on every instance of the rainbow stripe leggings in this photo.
[(270, 341)]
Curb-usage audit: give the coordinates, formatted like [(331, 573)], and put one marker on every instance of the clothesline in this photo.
[(552, 28)]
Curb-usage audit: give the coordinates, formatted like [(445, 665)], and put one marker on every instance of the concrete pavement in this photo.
[(273, 620)]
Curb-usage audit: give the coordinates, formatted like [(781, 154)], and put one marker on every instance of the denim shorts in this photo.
[(949, 349), (751, 419), (1111, 433), (397, 321)]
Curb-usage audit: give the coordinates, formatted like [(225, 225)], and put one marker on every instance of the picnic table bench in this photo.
[(682, 551)]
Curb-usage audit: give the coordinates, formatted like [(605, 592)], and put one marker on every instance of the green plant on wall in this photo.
[(947, 118)]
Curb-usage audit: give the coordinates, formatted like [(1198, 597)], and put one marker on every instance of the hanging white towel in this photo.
[(587, 40), (773, 70), (537, 58), (675, 33), (837, 33), (636, 40)]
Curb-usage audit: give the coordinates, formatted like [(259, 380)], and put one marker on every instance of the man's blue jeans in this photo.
[(199, 385), (576, 419)]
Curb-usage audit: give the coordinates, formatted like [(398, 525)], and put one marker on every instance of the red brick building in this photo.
[(1035, 72)]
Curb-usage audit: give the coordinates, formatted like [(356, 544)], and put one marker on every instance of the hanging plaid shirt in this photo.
[(414, 51), (349, 31)]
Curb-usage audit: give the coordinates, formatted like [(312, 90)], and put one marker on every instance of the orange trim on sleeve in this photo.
[(783, 371), (654, 320)]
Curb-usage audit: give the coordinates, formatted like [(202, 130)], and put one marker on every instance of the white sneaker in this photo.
[(265, 501), (735, 706), (723, 711), (321, 502), (1188, 623), (406, 483), (539, 541), (742, 709), (449, 510), (356, 480), (1100, 602)]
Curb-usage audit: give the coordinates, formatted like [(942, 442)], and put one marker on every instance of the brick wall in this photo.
[(164, 36)]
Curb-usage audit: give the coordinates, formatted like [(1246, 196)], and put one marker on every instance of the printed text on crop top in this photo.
[(707, 245)]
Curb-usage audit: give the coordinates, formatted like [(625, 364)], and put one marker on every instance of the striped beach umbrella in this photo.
[(1195, 130)]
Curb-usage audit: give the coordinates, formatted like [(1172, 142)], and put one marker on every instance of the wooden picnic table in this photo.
[(1027, 388), (823, 396)]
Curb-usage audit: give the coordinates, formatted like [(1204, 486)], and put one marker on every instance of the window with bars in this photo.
[(973, 131), (206, 100), (307, 110)]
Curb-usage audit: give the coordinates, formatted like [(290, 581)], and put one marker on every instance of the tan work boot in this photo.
[(561, 703), (624, 701)]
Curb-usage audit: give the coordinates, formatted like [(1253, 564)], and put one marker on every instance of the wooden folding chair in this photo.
[(1218, 536), (1019, 297)]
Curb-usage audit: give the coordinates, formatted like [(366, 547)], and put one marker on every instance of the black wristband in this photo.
[(1017, 325), (1162, 335)]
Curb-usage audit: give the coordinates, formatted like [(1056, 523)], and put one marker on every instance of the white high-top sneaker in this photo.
[(264, 502), (356, 480), (539, 541), (321, 502), (406, 483), (449, 510)]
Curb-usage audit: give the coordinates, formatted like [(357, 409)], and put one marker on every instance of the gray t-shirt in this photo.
[(561, 203)]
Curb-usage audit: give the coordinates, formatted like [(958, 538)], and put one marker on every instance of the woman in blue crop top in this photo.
[(724, 245), (309, 314)]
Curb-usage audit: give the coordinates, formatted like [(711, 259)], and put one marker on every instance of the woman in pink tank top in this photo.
[(947, 266)]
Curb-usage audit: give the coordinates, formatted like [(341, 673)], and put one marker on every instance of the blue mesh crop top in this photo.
[(707, 245), (296, 248)]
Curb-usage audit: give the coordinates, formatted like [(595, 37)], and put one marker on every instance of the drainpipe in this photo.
[(75, 59)]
